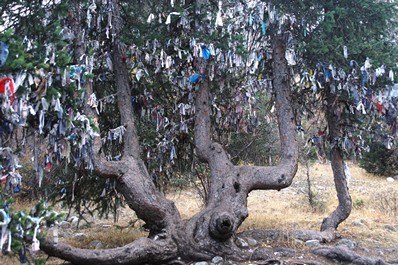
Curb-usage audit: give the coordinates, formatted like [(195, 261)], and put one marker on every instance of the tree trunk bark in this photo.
[(343, 209), (213, 229)]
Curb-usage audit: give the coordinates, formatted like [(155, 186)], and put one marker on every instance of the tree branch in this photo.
[(134, 182), (104, 168), (280, 176), (211, 152), (145, 199), (141, 251), (274, 234), (131, 143)]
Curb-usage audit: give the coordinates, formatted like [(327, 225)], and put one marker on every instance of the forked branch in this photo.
[(280, 176)]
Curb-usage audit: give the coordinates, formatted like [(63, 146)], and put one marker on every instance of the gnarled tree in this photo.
[(268, 35), (211, 231)]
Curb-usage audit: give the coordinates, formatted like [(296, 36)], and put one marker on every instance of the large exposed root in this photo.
[(302, 235), (141, 251), (343, 254)]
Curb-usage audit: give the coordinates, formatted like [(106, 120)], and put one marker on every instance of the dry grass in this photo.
[(290, 208), (285, 210), (110, 237)]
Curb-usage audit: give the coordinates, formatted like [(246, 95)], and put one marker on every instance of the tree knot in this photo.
[(221, 225)]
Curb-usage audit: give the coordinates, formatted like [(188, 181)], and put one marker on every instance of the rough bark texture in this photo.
[(343, 209)]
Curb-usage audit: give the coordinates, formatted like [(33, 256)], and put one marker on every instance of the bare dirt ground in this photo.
[(371, 230)]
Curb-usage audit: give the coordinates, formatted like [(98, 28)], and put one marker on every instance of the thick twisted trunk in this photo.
[(343, 209), (212, 230)]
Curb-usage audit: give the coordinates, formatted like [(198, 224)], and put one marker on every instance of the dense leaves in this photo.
[(380, 160)]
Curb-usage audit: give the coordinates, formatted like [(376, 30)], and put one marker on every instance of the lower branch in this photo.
[(346, 255), (273, 234), (269, 178), (141, 251)]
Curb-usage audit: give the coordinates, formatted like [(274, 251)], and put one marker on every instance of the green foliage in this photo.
[(358, 203), (326, 26), (82, 192), (380, 160), (23, 224), (321, 31)]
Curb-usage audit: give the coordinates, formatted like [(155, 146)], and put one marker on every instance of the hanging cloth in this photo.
[(7, 84), (3, 53), (219, 21)]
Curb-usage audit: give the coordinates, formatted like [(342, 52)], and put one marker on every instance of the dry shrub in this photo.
[(387, 202)]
